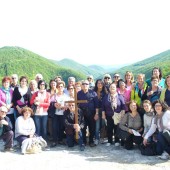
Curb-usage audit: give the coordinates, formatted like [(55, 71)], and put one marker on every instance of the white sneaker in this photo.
[(164, 156), (96, 142), (117, 144), (102, 140), (108, 144)]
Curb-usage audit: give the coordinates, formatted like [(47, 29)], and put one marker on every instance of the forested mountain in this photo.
[(94, 70), (24, 62), (161, 60)]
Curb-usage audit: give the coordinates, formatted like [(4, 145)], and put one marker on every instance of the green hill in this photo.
[(161, 60), (24, 62), (96, 71)]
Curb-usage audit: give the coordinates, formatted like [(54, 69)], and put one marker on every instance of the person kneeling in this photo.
[(71, 127)]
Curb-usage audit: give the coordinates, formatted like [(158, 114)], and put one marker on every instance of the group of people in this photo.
[(140, 106)]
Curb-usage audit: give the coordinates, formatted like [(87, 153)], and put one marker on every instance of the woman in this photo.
[(91, 82), (58, 118), (32, 87), (124, 92), (107, 81), (100, 123), (21, 97), (139, 93), (157, 72), (42, 100), (70, 89), (78, 86), (24, 126), (113, 105), (148, 116), (154, 91), (6, 94), (129, 80), (160, 123), (53, 92), (132, 122), (165, 93)]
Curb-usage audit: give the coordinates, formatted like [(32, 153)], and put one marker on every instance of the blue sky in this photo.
[(114, 32)]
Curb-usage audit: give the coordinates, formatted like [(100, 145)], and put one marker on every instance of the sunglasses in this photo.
[(116, 76), (85, 84), (89, 78), (107, 78), (71, 105), (70, 88), (14, 78)]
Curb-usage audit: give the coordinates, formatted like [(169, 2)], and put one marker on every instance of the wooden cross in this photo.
[(76, 107)]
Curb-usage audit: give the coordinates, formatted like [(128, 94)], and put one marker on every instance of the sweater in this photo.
[(24, 127)]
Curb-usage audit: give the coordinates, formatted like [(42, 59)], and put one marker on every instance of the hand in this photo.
[(103, 116), (130, 131), (145, 141), (19, 109), (31, 136), (96, 117), (3, 122)]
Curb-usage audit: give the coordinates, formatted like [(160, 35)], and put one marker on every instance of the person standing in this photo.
[(89, 110)]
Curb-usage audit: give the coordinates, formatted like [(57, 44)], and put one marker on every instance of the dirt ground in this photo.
[(100, 158)]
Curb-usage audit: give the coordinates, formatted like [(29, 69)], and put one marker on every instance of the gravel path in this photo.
[(98, 158)]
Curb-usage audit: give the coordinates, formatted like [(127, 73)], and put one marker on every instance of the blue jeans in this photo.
[(99, 124), (71, 141), (41, 125), (162, 144)]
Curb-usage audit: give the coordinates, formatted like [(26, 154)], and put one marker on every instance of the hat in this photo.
[(90, 76), (116, 75), (107, 75), (4, 109), (85, 82), (71, 79)]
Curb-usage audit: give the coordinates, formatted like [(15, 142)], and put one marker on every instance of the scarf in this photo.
[(113, 101), (158, 119), (8, 95)]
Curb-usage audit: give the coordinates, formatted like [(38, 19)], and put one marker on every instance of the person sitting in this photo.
[(160, 122), (130, 122), (71, 127), (6, 133), (24, 125)]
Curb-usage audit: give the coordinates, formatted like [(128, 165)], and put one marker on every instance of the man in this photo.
[(6, 133), (71, 127), (89, 110)]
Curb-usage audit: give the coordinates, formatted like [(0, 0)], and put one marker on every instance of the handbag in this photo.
[(149, 149), (121, 134), (166, 135)]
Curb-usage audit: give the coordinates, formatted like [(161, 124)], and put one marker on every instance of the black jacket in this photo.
[(69, 121), (8, 127)]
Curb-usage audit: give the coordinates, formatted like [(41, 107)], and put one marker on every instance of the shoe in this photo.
[(102, 140), (92, 145), (96, 142), (54, 144), (9, 150), (82, 147), (61, 143), (108, 144), (164, 156), (117, 144), (47, 148)]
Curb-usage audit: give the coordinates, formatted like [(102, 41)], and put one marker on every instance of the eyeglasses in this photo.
[(158, 105), (3, 111), (107, 78), (71, 88), (89, 78), (116, 76), (85, 84)]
